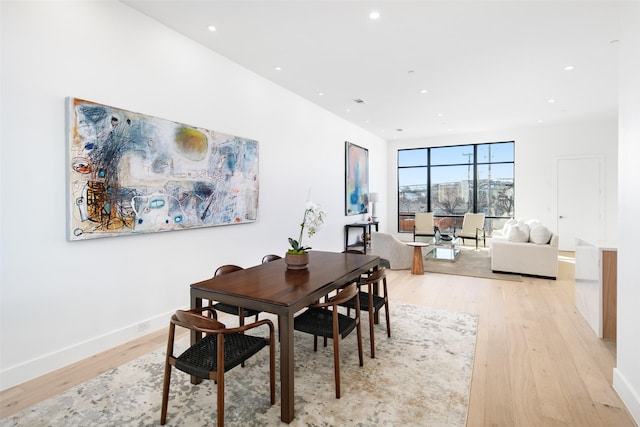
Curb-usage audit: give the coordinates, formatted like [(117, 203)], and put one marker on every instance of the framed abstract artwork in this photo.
[(357, 179), (130, 173)]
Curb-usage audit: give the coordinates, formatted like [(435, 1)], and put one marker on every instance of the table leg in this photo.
[(416, 266), (195, 336), (286, 367)]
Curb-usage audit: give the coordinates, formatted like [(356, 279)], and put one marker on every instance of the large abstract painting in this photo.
[(130, 173), (357, 179)]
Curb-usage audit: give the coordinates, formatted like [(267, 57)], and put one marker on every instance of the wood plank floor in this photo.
[(537, 362)]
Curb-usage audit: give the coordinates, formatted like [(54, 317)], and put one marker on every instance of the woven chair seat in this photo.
[(318, 321), (378, 302), (200, 359), (233, 309)]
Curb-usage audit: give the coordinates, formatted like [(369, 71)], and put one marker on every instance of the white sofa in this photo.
[(387, 246), (510, 254)]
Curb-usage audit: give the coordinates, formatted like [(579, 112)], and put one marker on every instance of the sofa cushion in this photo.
[(539, 234), (518, 233)]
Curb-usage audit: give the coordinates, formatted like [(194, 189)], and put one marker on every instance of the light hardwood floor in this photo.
[(537, 362)]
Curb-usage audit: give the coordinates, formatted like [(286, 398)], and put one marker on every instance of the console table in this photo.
[(366, 231)]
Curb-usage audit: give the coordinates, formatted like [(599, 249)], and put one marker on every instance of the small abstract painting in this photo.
[(129, 173), (357, 179)]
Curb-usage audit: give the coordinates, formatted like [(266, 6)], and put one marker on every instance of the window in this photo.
[(451, 181)]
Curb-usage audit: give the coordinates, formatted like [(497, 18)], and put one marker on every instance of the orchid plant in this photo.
[(313, 218)]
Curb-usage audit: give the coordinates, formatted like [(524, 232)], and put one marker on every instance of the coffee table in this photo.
[(444, 249)]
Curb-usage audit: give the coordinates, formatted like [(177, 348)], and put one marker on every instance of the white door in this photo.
[(580, 204)]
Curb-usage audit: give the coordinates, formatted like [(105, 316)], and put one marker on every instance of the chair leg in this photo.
[(371, 330), (386, 307), (272, 369), (336, 362), (241, 323), (165, 393), (359, 333), (220, 380)]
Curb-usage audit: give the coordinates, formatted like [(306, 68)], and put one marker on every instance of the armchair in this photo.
[(423, 225), (472, 228)]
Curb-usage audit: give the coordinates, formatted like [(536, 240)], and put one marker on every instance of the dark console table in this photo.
[(365, 228)]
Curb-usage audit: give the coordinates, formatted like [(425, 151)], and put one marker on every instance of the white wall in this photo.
[(537, 150), (63, 301), (626, 378)]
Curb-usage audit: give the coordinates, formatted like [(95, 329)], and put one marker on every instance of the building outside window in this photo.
[(451, 181)]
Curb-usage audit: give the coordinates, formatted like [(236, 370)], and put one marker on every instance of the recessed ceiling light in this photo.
[(320, 93), (348, 110), (551, 101), (539, 121), (423, 91), (277, 68), (211, 28), (374, 15), (366, 121), (440, 114), (569, 67)]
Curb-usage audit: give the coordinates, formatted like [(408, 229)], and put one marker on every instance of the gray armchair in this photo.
[(390, 248)]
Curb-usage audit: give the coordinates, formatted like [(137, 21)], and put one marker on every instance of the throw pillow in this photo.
[(539, 234), (510, 223), (518, 233)]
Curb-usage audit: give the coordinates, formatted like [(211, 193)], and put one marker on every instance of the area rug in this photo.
[(420, 376), (470, 262)]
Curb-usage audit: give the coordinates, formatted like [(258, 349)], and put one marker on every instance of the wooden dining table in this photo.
[(272, 288)]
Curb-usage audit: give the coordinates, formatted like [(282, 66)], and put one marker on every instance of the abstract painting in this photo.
[(357, 179), (130, 173)]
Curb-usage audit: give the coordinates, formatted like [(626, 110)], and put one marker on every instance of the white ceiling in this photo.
[(485, 65)]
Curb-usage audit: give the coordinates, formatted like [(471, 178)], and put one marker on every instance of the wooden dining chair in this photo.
[(270, 257), (322, 319), (371, 302), (229, 308), (220, 350)]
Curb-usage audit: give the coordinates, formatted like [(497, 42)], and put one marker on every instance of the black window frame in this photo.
[(475, 164)]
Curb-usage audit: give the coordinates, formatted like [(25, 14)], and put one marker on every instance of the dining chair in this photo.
[(372, 303), (228, 308), (322, 319), (220, 350), (472, 228), (270, 257)]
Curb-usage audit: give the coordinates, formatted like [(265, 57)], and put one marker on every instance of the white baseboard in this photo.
[(47, 363), (628, 394)]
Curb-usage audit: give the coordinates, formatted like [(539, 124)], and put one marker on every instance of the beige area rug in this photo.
[(421, 377), (470, 262)]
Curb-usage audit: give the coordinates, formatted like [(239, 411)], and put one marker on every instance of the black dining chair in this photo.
[(219, 351), (322, 319), (270, 257), (372, 303), (229, 308)]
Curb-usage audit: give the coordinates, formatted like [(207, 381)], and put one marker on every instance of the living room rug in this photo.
[(420, 376), (470, 262)]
